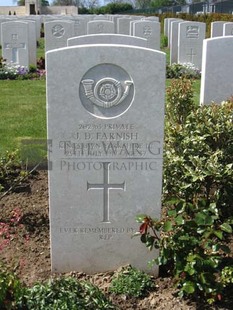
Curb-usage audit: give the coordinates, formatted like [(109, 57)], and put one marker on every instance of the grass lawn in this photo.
[(23, 112)]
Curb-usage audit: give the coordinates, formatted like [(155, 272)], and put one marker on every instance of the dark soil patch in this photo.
[(28, 252)]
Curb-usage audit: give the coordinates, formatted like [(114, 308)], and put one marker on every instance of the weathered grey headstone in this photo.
[(114, 19), (166, 25), (123, 25), (37, 19), (152, 18), (228, 29), (190, 42), (32, 42), (216, 29), (105, 128), (174, 42), (100, 26), (107, 39), (100, 17), (149, 30), (80, 26), (15, 36), (217, 68), (57, 33), (169, 29), (2, 20)]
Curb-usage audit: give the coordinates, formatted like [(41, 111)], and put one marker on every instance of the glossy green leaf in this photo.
[(189, 287), (167, 226), (218, 233), (179, 220), (226, 227), (172, 213)]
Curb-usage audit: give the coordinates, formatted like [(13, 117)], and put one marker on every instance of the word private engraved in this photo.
[(106, 91)]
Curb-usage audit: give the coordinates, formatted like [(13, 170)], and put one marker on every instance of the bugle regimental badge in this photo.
[(106, 92)]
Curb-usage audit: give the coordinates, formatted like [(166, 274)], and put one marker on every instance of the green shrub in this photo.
[(32, 69), (163, 41), (131, 282), (65, 293), (197, 194), (10, 170), (227, 276), (10, 289)]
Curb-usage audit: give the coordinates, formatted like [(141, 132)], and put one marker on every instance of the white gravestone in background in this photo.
[(190, 42), (32, 43), (217, 68), (80, 26), (105, 125), (107, 39), (148, 30), (57, 33), (228, 29), (216, 29), (2, 20), (169, 29), (100, 26), (15, 37), (166, 25), (123, 25), (174, 42)]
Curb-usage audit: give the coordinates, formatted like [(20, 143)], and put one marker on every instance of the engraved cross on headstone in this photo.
[(191, 55), (106, 186), (14, 46)]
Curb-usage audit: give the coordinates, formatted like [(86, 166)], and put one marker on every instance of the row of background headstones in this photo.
[(58, 31), (148, 28), (212, 56), (185, 40)]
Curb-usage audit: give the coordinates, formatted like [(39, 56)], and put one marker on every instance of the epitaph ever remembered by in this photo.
[(105, 109)]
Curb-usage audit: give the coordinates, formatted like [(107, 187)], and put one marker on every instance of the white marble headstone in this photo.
[(169, 22), (216, 29), (123, 25), (2, 20), (15, 43), (217, 68), (107, 39), (228, 29), (100, 26), (105, 128), (32, 42), (166, 25), (80, 26), (190, 42), (57, 33), (149, 30), (174, 41)]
